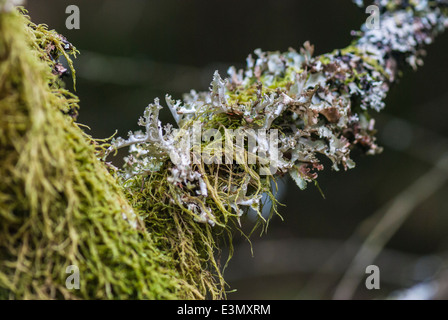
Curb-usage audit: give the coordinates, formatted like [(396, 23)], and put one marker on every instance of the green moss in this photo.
[(242, 95), (176, 227), (58, 204)]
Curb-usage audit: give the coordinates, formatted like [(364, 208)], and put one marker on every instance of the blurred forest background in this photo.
[(134, 51)]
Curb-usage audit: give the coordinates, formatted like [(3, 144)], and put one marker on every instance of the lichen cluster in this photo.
[(321, 106)]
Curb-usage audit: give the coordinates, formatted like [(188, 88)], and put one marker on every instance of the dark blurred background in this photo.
[(134, 51)]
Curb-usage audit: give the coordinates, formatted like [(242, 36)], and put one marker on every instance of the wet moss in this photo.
[(59, 205)]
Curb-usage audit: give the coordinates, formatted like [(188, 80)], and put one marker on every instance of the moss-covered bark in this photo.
[(58, 204)]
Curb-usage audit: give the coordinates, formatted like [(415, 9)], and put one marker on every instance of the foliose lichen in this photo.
[(320, 106)]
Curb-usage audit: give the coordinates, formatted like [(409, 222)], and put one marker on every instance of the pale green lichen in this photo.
[(320, 106)]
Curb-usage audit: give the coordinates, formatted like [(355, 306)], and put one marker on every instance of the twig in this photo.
[(396, 213)]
